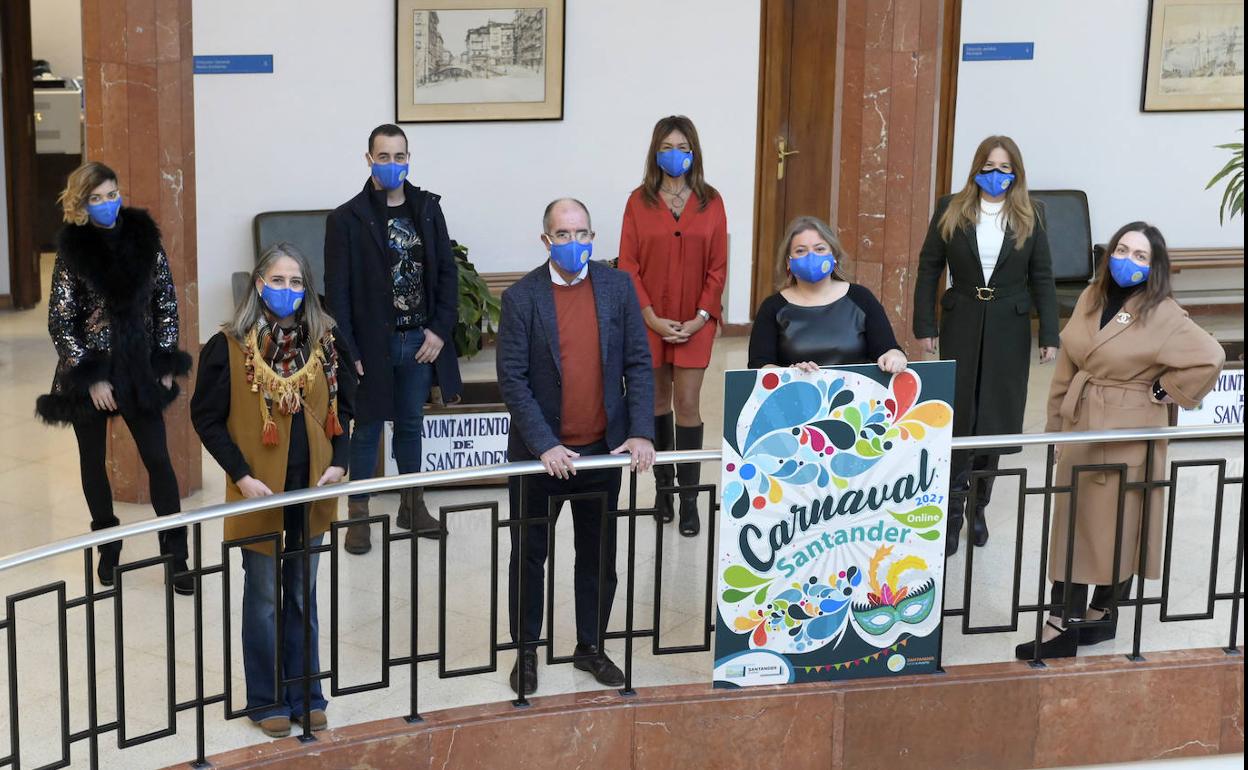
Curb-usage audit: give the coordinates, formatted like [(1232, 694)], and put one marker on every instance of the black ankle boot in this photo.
[(979, 526), (689, 475), (109, 556), (664, 475), (1064, 645), (953, 533)]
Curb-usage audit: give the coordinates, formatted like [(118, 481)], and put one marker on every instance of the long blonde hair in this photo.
[(78, 187), (784, 278), (963, 210), (251, 307)]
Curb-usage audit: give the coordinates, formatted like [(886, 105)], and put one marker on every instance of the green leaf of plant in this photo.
[(740, 577)]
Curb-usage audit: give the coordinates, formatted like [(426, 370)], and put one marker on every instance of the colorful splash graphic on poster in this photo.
[(832, 524)]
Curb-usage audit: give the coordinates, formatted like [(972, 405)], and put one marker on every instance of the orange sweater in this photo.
[(584, 418)]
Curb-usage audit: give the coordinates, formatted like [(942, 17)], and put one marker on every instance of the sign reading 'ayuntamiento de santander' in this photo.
[(832, 525)]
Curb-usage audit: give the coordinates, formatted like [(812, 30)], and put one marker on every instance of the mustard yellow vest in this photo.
[(268, 463)]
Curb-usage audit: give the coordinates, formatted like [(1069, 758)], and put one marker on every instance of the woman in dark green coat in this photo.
[(991, 237)]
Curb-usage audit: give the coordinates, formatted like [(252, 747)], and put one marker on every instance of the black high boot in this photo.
[(979, 521), (664, 475), (688, 475), (957, 504)]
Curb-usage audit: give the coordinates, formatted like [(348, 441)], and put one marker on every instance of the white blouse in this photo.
[(989, 235)]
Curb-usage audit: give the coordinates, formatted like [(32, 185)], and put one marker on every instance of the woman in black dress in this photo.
[(818, 318), (991, 237)]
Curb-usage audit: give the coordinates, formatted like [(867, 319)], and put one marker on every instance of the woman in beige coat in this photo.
[(1128, 350)]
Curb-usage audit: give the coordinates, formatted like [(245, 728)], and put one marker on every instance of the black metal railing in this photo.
[(519, 526)]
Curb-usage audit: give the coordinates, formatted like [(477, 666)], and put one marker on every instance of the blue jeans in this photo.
[(412, 381), (260, 628)]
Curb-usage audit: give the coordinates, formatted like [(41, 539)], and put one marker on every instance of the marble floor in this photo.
[(41, 501)]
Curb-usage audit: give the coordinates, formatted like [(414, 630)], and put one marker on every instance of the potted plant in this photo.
[(1233, 173), (479, 310)]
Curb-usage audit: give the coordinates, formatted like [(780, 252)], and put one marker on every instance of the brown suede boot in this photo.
[(358, 540), (412, 506)]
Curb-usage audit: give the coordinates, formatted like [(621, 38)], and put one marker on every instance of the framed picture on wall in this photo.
[(1194, 56), (466, 60)]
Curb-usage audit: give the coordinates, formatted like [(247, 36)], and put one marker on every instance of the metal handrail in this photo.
[(484, 472)]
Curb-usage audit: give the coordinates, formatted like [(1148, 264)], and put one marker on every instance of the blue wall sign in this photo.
[(234, 65), (998, 51)]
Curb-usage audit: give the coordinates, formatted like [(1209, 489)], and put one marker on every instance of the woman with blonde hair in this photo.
[(270, 404), (113, 316), (818, 318), (990, 235)]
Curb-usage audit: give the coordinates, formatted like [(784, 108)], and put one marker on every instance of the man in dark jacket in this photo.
[(574, 369), (392, 285)]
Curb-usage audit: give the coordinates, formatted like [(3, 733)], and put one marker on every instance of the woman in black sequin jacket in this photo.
[(113, 316)]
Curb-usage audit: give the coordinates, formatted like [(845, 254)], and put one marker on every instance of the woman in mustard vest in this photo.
[(270, 402)]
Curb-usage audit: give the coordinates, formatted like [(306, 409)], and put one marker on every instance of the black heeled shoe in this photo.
[(1064, 645), (1096, 634), (664, 475)]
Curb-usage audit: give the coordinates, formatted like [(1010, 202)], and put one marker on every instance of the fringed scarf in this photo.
[(281, 363)]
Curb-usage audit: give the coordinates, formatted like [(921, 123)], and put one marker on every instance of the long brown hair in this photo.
[(784, 278), (1157, 288), (78, 187), (250, 307), (963, 210), (653, 177)]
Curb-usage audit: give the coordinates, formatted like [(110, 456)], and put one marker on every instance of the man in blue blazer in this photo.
[(574, 369)]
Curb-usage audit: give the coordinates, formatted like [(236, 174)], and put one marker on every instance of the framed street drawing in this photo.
[(1194, 56), (465, 60)]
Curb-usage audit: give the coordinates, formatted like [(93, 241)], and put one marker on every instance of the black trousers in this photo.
[(529, 497), (148, 430), (1076, 602), (962, 463)]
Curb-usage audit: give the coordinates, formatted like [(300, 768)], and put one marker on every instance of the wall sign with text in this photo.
[(1223, 406), (832, 523), (450, 441)]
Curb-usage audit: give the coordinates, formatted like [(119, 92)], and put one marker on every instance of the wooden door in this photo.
[(19, 149), (796, 171)]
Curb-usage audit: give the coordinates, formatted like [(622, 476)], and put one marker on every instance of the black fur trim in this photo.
[(175, 362), (124, 279), (93, 368), (66, 408)]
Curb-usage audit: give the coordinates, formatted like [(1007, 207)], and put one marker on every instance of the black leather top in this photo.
[(852, 330)]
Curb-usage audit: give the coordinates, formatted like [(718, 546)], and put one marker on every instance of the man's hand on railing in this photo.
[(253, 487), (332, 475), (558, 461), (641, 450)]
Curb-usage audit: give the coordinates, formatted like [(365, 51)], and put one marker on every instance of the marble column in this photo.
[(891, 66), (140, 120)]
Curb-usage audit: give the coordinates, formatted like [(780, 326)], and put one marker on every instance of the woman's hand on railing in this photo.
[(253, 487), (332, 475)]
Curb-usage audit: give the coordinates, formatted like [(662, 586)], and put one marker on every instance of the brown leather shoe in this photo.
[(317, 718), (358, 540), (275, 727)]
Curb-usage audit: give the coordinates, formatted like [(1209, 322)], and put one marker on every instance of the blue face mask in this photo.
[(675, 162), (390, 175), (282, 302), (1127, 273), (571, 256), (812, 267), (104, 214), (994, 182)]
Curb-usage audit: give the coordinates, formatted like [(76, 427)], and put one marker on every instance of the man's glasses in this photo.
[(564, 236)]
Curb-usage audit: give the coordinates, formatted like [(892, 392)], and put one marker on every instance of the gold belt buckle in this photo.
[(985, 293)]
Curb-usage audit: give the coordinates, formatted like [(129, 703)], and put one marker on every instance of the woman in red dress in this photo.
[(674, 242)]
